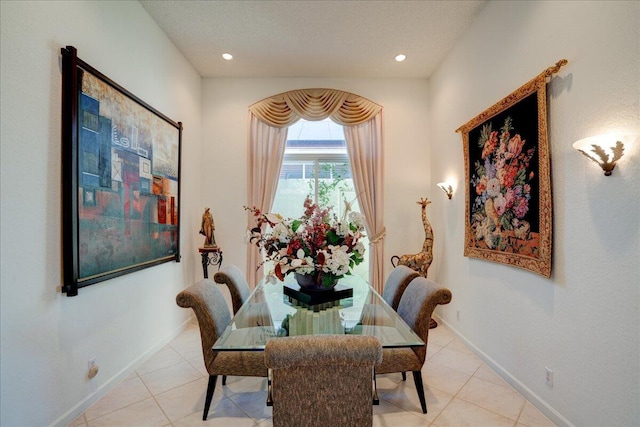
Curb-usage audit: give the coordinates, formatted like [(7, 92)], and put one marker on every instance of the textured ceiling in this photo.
[(314, 38)]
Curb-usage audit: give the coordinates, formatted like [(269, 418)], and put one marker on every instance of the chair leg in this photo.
[(417, 378), (404, 376), (210, 388), (224, 380), (376, 399), (269, 389)]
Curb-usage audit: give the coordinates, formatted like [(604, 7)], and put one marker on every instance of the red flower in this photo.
[(490, 144)]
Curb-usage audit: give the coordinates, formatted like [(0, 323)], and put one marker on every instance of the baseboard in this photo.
[(107, 386), (525, 391)]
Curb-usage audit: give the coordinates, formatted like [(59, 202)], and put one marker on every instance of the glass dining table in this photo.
[(280, 309)]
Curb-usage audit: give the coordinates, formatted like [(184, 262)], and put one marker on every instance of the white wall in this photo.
[(47, 338), (584, 322), (406, 151)]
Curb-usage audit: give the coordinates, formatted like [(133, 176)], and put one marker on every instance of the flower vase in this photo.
[(313, 282)]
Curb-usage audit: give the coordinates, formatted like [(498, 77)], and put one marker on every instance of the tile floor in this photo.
[(169, 390)]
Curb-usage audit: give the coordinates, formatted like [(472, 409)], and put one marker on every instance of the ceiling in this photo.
[(314, 38)]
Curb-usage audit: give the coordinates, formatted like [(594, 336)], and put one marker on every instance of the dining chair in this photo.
[(235, 280), (416, 307), (322, 380), (212, 313), (394, 287), (232, 276), (396, 283)]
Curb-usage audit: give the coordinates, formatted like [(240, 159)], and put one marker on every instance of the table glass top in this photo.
[(270, 313)]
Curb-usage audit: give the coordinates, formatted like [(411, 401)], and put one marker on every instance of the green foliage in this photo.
[(521, 177), (327, 188), (485, 133), (507, 127), (332, 237), (505, 220), (328, 280)]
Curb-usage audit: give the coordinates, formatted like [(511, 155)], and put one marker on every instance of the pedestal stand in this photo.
[(210, 256)]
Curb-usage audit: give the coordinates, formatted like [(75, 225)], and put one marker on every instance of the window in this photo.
[(316, 163)]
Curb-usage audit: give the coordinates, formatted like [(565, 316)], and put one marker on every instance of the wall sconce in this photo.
[(605, 150), (447, 188)]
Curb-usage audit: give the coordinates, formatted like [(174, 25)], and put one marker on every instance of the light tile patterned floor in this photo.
[(169, 390)]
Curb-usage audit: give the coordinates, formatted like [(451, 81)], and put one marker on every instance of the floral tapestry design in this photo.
[(508, 182), (502, 183)]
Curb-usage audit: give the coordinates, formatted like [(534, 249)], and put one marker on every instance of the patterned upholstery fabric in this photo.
[(213, 316), (323, 380), (416, 307), (396, 283), (231, 276)]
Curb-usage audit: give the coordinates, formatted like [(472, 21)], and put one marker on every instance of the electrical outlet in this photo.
[(93, 368), (548, 377)]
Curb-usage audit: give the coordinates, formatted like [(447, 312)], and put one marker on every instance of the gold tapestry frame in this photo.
[(508, 203)]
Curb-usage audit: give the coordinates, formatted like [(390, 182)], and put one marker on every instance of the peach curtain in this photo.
[(266, 151), (269, 120), (364, 144)]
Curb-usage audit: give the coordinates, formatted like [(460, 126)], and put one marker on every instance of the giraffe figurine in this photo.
[(421, 261)]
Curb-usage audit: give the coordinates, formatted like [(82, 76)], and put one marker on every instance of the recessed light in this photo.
[(400, 58), (227, 56)]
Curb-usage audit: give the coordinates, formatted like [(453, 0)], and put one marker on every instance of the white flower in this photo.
[(281, 232), (342, 229), (357, 219), (359, 247), (338, 262), (483, 228), (489, 238), (307, 266), (274, 218), (500, 204), (493, 187)]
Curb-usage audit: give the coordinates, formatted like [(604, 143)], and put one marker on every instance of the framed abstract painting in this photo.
[(120, 177), (508, 203)]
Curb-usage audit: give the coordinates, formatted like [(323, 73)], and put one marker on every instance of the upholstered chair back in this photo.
[(212, 312), (416, 307), (396, 283), (232, 276), (323, 380)]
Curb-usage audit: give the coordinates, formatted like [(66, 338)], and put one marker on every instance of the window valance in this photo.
[(344, 108)]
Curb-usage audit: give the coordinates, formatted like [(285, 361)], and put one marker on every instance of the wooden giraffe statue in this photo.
[(421, 261)]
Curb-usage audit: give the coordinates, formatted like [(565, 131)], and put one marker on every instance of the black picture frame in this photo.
[(121, 166)]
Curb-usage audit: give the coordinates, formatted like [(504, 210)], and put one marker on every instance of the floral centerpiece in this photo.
[(317, 247), (502, 187)]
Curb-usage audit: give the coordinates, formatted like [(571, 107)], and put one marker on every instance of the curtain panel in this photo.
[(269, 120)]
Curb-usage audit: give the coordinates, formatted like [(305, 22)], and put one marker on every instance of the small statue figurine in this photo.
[(206, 229)]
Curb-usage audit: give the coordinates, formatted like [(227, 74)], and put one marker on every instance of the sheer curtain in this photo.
[(269, 120)]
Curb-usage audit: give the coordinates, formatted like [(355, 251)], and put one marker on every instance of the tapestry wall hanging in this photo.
[(121, 179), (508, 202)]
